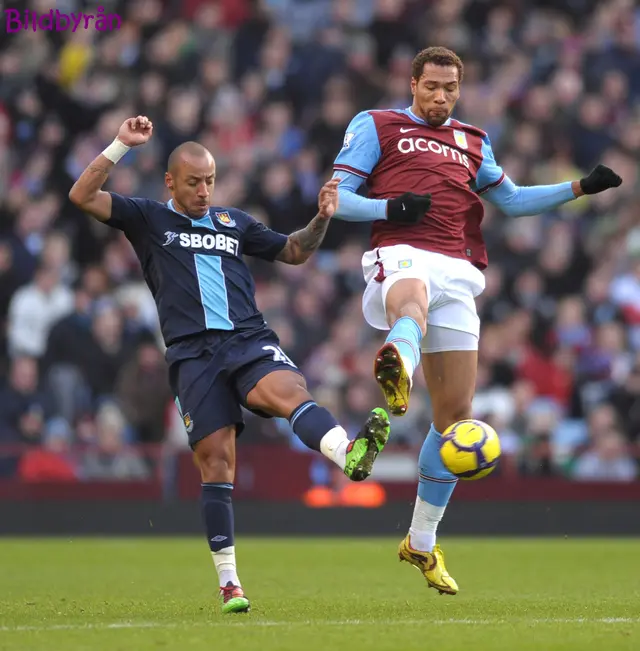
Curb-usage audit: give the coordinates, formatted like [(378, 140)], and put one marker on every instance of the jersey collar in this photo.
[(205, 221), (172, 207)]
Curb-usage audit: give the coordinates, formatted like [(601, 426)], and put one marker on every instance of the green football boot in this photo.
[(364, 449), (233, 599)]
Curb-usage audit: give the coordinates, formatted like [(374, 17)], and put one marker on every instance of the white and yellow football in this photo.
[(470, 449)]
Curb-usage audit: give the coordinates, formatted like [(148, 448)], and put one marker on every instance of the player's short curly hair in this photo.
[(439, 56)]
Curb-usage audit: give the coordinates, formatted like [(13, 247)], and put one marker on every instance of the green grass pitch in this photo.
[(308, 595)]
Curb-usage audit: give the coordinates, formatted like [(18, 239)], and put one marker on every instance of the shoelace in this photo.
[(228, 592)]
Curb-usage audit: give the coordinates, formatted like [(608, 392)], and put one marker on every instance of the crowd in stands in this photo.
[(269, 87)]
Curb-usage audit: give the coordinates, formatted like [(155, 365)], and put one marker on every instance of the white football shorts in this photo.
[(452, 286)]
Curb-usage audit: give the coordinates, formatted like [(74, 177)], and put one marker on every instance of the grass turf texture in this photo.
[(321, 594)]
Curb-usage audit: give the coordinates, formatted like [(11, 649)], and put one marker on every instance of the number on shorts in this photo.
[(279, 355)]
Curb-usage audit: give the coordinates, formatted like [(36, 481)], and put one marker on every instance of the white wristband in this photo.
[(115, 151)]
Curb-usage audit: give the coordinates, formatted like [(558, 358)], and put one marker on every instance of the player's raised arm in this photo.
[(87, 193), (301, 244), (520, 201)]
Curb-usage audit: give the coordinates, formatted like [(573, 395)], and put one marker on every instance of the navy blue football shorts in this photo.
[(212, 373)]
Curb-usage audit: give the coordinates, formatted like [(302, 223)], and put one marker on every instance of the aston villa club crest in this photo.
[(188, 423), (225, 219), (461, 139)]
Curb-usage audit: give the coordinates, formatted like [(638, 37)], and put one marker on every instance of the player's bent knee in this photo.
[(407, 297), (417, 312), (215, 455)]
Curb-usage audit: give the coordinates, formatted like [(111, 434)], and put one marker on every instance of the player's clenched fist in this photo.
[(600, 179), (328, 199), (135, 131)]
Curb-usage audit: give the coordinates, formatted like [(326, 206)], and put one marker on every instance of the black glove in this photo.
[(408, 208), (600, 179)]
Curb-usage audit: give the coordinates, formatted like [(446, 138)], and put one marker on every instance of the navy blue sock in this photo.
[(217, 512), (311, 423)]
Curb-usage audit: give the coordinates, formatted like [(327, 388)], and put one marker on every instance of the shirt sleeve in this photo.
[(360, 151), (127, 214), (262, 242), (490, 174), (354, 208), (519, 201)]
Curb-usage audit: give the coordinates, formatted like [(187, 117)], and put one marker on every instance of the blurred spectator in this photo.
[(68, 343), (24, 406), (143, 392), (538, 452), (112, 458), (606, 460), (626, 398), (625, 293), (56, 255), (33, 310), (51, 462)]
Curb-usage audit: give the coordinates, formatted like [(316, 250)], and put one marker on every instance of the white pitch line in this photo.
[(248, 622)]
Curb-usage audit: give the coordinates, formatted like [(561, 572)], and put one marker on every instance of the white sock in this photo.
[(426, 518), (334, 446), (408, 365), (225, 562)]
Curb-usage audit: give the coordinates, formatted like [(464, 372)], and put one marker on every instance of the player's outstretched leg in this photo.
[(284, 394), (406, 307), (215, 455), (450, 378)]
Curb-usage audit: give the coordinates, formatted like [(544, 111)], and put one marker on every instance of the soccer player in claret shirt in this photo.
[(220, 352), (425, 173)]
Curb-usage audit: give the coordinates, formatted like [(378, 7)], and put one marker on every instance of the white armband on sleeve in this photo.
[(116, 150)]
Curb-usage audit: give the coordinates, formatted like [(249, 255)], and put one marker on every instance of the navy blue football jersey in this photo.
[(194, 267)]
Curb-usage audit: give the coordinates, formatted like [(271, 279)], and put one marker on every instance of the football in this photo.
[(470, 449)]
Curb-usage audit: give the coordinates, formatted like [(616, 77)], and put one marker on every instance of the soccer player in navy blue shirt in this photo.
[(220, 352)]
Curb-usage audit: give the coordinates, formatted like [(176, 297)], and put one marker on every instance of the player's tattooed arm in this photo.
[(301, 245), (87, 193)]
